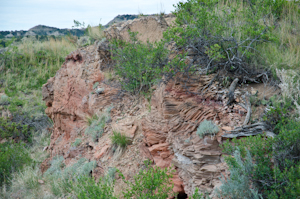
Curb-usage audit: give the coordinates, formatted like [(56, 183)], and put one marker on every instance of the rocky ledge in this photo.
[(164, 131)]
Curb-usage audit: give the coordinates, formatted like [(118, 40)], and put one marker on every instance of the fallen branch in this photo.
[(231, 90), (246, 106), (250, 130)]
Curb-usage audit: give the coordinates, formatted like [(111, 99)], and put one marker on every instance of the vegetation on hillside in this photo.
[(255, 40)]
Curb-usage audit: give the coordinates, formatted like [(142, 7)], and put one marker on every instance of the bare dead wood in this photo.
[(246, 106), (250, 130), (231, 90)]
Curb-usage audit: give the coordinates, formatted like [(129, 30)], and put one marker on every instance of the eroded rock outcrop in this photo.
[(70, 100), (166, 134), (149, 29), (170, 133)]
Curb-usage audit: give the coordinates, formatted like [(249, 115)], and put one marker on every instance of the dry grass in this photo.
[(27, 66), (36, 61), (95, 32), (284, 51)]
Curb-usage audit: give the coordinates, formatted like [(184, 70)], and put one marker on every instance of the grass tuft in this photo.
[(119, 139)]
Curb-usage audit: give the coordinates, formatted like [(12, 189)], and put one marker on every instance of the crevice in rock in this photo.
[(182, 195)]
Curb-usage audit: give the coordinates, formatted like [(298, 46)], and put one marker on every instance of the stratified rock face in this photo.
[(166, 134), (170, 135), (149, 29), (69, 97)]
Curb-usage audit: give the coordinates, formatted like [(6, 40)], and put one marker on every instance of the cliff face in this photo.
[(164, 132)]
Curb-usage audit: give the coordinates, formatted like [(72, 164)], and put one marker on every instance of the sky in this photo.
[(25, 14)]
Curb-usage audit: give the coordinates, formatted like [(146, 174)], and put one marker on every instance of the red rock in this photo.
[(100, 153), (169, 129), (178, 184), (165, 154)]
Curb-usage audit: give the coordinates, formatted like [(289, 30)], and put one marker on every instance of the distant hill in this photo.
[(42, 30), (121, 18)]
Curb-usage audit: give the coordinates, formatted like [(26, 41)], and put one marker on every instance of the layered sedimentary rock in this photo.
[(170, 133), (166, 133)]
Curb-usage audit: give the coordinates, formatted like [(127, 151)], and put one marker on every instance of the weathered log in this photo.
[(249, 130), (231, 90)]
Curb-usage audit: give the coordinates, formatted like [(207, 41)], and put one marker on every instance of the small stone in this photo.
[(45, 148), (100, 91), (253, 91), (3, 141), (41, 181)]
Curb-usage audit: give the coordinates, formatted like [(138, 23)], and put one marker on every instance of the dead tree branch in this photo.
[(231, 90), (250, 130), (246, 106)]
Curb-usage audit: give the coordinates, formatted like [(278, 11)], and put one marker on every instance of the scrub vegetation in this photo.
[(255, 40)]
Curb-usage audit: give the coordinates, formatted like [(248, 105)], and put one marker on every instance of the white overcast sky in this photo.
[(25, 14)]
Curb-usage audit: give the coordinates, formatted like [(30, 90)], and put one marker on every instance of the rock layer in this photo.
[(166, 134), (170, 134)]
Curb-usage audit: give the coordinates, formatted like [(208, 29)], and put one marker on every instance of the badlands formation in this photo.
[(162, 130)]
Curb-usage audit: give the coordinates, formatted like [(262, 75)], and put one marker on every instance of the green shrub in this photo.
[(239, 184), (96, 129), (119, 139), (95, 85), (91, 119), (13, 157), (139, 65), (13, 130), (4, 99), (279, 114), (151, 183), (97, 123), (111, 173), (148, 183), (224, 34), (207, 128), (24, 183), (87, 188), (277, 161), (77, 142), (74, 181), (62, 178), (58, 169), (197, 195)]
